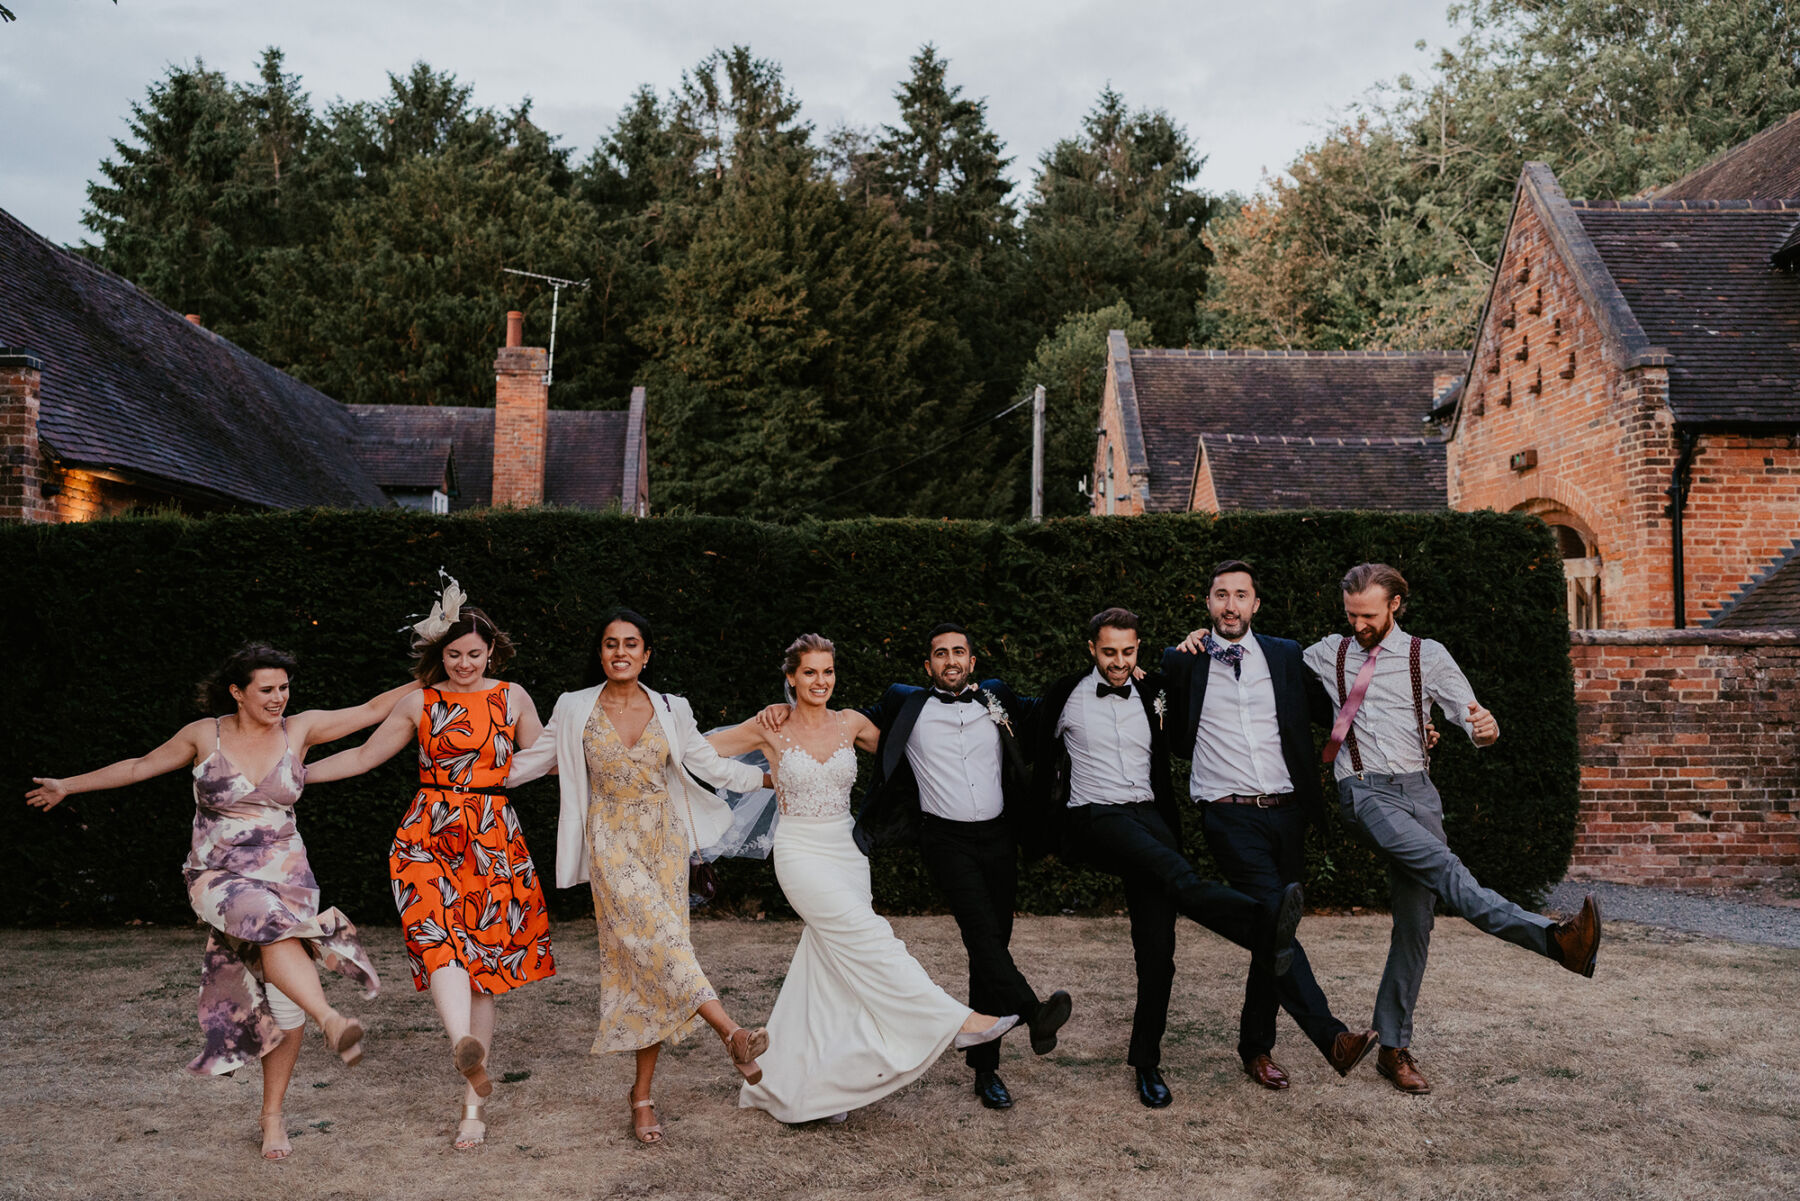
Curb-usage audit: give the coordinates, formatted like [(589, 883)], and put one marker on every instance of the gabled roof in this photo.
[(584, 461), (1765, 166), (1256, 473), (1769, 602), (129, 385), (1180, 395), (413, 464)]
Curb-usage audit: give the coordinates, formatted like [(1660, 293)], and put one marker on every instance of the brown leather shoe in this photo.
[(1398, 1065), (1575, 943), (1348, 1049), (1266, 1072)]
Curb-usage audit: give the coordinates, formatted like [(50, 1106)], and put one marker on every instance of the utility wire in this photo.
[(960, 430), (924, 454)]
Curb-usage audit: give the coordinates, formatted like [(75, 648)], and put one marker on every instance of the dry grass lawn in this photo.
[(1674, 1074)]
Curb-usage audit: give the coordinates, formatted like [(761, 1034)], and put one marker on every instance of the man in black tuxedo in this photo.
[(1242, 709), (951, 778), (1103, 788)]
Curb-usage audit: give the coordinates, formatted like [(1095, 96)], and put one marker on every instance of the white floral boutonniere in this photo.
[(1160, 706), (995, 710)]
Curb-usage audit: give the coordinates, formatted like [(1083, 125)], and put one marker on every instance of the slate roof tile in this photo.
[(1258, 473), (585, 460), (1182, 394), (1769, 603), (1764, 166), (129, 384)]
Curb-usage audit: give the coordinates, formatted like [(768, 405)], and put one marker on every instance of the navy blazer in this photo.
[(1300, 701), (1050, 757), (890, 810)]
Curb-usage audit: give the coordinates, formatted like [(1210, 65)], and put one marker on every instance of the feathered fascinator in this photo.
[(444, 611)]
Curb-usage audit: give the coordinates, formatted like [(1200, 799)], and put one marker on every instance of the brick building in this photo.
[(110, 401)]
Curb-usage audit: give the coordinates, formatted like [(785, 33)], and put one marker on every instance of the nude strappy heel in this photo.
[(464, 1140), (650, 1135), (470, 1058), (275, 1146), (745, 1046), (344, 1035)]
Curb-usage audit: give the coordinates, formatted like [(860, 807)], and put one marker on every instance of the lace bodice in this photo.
[(811, 788)]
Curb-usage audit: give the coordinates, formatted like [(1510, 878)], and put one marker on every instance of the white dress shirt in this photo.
[(1387, 732), (954, 750), (1237, 748), (1108, 739)]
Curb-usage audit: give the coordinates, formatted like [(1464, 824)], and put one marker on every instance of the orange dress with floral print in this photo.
[(465, 885)]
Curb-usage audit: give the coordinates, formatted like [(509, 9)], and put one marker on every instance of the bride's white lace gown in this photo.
[(857, 1016)]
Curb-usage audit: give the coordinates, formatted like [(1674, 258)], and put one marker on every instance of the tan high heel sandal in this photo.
[(651, 1135), (745, 1051), (464, 1140), (344, 1035), (275, 1147), (470, 1058)]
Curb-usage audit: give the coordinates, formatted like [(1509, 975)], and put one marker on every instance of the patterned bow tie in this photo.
[(1122, 691), (970, 695), (1232, 655)]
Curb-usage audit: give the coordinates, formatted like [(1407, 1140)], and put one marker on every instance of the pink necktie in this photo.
[(1341, 727)]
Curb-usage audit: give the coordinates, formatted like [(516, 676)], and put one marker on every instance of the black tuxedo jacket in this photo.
[(1050, 757), (1300, 701), (890, 810)]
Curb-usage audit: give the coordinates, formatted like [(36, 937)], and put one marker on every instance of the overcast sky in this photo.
[(1252, 83)]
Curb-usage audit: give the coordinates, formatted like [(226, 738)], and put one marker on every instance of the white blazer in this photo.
[(560, 744)]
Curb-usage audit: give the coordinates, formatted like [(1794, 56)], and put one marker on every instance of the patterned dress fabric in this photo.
[(856, 1017), (249, 881), (464, 883), (650, 983)]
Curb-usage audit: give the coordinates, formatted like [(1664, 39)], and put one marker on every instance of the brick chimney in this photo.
[(21, 459), (521, 418)]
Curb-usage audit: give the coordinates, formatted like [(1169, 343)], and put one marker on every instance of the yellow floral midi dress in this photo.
[(650, 983)]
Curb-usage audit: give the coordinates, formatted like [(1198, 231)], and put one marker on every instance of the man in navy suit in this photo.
[(1100, 743), (1243, 709), (951, 778)]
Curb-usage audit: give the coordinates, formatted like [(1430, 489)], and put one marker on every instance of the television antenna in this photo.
[(557, 284)]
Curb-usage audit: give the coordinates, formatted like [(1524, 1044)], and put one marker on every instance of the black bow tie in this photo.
[(1123, 691), (970, 695)]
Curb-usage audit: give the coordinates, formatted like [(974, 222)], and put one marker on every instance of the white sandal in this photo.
[(464, 1139)]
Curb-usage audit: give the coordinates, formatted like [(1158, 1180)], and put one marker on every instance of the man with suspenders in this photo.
[(1381, 682)]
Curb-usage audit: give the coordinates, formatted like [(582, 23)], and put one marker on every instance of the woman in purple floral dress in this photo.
[(247, 873)]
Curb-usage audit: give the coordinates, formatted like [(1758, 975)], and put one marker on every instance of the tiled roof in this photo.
[(1766, 166), (585, 456), (129, 385), (1182, 394), (1770, 602), (1700, 283), (1258, 473), (414, 463)]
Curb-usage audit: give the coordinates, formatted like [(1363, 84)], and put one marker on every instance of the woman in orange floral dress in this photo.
[(464, 882)]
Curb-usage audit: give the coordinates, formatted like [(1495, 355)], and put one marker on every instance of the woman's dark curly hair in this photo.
[(214, 693)]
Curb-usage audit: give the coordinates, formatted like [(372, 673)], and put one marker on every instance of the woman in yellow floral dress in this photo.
[(630, 819), (470, 902)]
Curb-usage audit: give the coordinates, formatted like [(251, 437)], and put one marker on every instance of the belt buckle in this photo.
[(1264, 801)]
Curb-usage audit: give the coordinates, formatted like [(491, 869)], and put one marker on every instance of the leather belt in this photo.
[(1262, 800)]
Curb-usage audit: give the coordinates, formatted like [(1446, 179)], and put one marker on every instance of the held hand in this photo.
[(1194, 643), (774, 717), (1138, 673), (47, 795), (1482, 727)]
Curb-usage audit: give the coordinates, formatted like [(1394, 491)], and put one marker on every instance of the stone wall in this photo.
[(1690, 756)]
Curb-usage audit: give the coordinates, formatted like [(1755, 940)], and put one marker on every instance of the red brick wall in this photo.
[(1690, 756), (521, 424), (21, 461), (1606, 447)]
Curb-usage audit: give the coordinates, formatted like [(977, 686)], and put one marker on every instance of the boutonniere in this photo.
[(1160, 706), (995, 710)]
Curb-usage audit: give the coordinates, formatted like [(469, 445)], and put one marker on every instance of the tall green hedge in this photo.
[(110, 624)]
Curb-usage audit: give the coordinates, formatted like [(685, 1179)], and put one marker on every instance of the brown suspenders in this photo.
[(1418, 691)]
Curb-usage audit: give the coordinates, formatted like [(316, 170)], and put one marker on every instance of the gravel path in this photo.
[(1720, 917)]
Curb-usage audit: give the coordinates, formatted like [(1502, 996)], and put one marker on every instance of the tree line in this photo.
[(830, 323)]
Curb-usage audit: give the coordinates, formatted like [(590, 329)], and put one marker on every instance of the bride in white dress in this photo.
[(857, 1017)]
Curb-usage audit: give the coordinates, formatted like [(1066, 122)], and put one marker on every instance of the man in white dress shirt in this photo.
[(1101, 757), (1382, 682), (1243, 706)]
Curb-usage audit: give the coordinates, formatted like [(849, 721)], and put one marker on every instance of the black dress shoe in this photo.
[(992, 1090), (1151, 1089), (1050, 1016)]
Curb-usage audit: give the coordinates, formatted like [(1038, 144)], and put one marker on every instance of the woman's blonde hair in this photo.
[(804, 645)]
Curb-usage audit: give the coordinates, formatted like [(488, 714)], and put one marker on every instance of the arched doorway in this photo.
[(1581, 562)]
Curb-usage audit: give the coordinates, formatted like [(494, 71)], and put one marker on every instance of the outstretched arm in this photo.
[(530, 728), (179, 751), (316, 727), (741, 739), (400, 728), (865, 733)]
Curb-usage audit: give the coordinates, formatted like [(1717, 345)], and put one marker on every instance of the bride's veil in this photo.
[(753, 815)]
